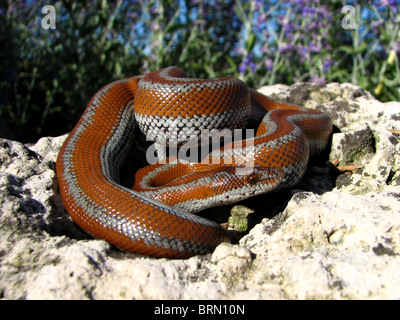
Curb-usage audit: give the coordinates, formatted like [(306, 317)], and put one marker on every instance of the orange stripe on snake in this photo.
[(156, 217)]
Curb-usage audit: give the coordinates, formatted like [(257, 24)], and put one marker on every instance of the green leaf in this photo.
[(117, 68), (251, 42), (232, 64), (209, 70), (346, 49)]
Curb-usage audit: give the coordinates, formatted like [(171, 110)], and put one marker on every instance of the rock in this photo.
[(354, 146), (336, 235), (331, 246)]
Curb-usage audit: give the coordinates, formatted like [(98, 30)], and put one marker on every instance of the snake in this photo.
[(155, 215)]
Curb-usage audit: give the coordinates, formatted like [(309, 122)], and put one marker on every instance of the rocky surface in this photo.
[(336, 235)]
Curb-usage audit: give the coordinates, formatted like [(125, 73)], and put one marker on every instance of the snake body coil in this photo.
[(156, 217)]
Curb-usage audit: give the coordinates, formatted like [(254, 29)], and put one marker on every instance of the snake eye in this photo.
[(253, 178)]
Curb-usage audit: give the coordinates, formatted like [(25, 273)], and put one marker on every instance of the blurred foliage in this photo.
[(47, 76)]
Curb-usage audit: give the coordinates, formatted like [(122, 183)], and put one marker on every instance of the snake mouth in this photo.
[(265, 175)]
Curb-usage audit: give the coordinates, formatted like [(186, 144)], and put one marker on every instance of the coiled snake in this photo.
[(156, 217)]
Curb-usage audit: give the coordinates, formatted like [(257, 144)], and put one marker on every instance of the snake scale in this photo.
[(156, 216)]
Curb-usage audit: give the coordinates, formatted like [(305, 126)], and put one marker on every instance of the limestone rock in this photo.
[(336, 235), (331, 246)]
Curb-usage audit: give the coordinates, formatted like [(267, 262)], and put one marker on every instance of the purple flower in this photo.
[(253, 66), (261, 19), (288, 27), (327, 65), (247, 63), (387, 3), (313, 48), (396, 46), (269, 63), (302, 51), (307, 11), (375, 25), (154, 26), (316, 79), (258, 5), (324, 11), (285, 47), (265, 48)]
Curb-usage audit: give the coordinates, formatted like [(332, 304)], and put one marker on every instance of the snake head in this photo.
[(229, 186)]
